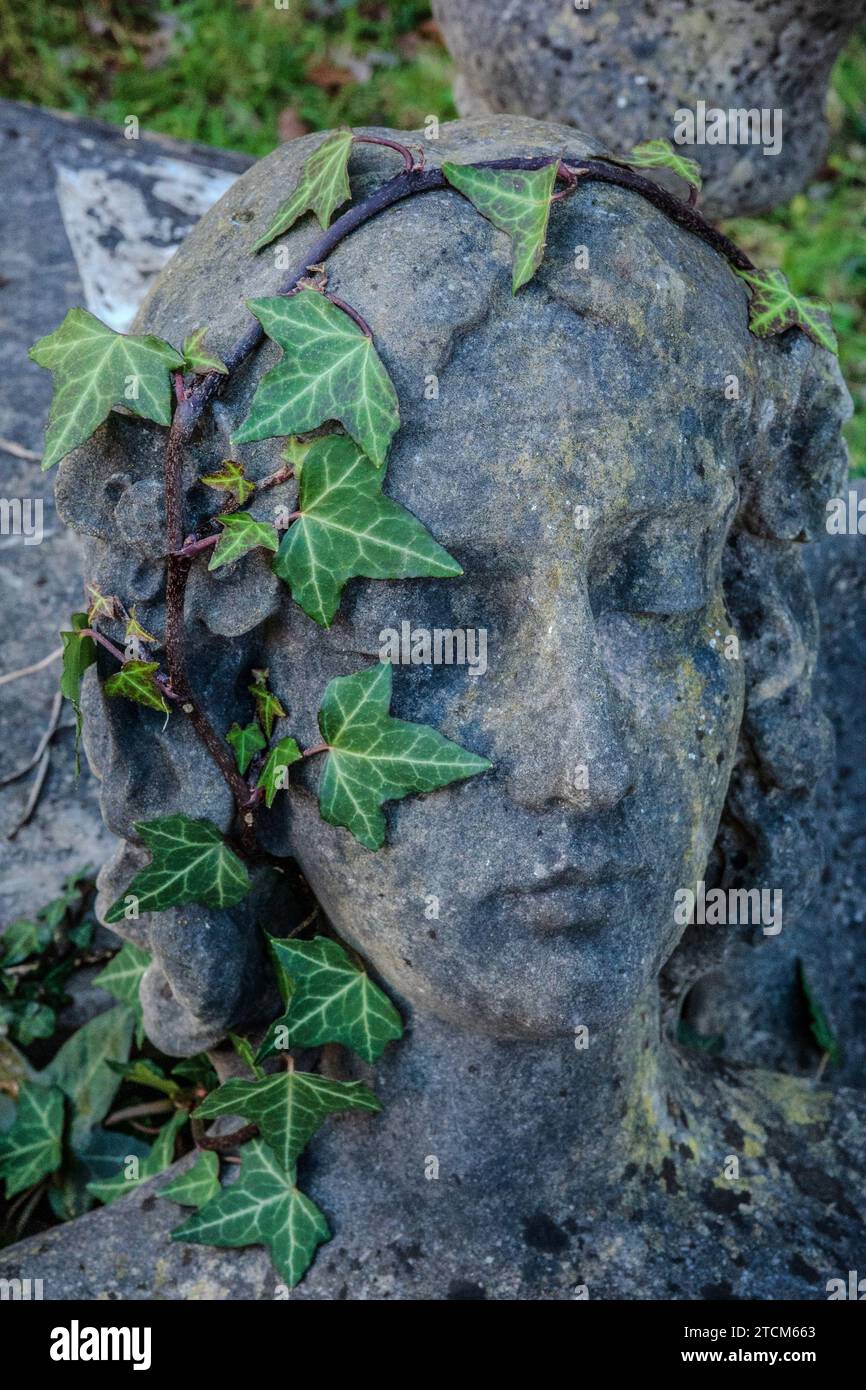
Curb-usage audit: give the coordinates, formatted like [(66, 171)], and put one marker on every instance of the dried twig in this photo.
[(53, 722), (31, 670)]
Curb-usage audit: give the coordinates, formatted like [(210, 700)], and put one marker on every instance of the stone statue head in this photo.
[(625, 474)]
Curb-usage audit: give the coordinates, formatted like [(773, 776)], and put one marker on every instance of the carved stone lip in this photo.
[(610, 876)]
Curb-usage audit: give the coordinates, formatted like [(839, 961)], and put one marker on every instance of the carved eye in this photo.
[(658, 568)]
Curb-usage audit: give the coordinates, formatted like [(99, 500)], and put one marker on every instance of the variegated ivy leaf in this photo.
[(268, 707), (516, 201), (330, 370), (198, 1184), (263, 1207), (660, 154), (79, 652), (122, 978), (774, 307), (197, 359), (136, 680), (102, 605), (373, 758), (33, 1147), (230, 478), (134, 630), (348, 529), (160, 1156), (328, 998), (323, 185), (288, 1107), (94, 369), (246, 742), (191, 864), (240, 534), (273, 774)]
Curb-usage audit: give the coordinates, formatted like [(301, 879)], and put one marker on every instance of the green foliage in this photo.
[(197, 359), (95, 368), (190, 863), (246, 743), (268, 707), (272, 778), (47, 946), (330, 370), (159, 1157), (328, 999), (198, 1185), (773, 308), (373, 758), (78, 653), (81, 1067), (95, 1158), (515, 201), (819, 1023), (136, 680), (32, 1148), (263, 1207), (323, 185), (240, 534), (122, 978), (660, 154), (348, 529), (230, 478)]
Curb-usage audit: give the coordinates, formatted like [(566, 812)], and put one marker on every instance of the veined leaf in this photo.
[(191, 864), (241, 532), (134, 629), (78, 653), (122, 978), (323, 185), (160, 1156), (94, 369), (136, 680), (196, 359), (272, 777), (268, 707), (288, 1107), (198, 1184), (96, 1157), (142, 1072), (32, 1148), (348, 529), (81, 1067), (373, 758), (230, 477), (330, 370), (332, 1000), (516, 201), (774, 307), (660, 154), (246, 743), (263, 1207)]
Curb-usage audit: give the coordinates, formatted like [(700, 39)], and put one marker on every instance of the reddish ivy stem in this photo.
[(191, 403)]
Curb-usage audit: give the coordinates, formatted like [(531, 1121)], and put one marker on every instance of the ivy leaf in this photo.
[(136, 680), (246, 743), (241, 532), (33, 1147), (195, 359), (78, 653), (323, 185), (660, 154), (160, 1156), (231, 478), (94, 369), (122, 978), (819, 1024), (97, 1157), (268, 707), (198, 1184), (191, 864), (142, 1072), (288, 1107), (330, 370), (135, 630), (101, 605), (244, 1049), (81, 1067), (515, 201), (348, 529), (272, 777), (263, 1207), (774, 307), (332, 1000), (373, 758), (22, 939)]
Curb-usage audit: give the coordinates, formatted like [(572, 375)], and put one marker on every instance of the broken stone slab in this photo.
[(627, 68)]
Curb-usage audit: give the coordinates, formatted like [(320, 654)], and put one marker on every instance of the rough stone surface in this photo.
[(622, 68), (606, 648)]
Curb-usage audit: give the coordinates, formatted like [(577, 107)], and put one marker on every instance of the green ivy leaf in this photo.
[(198, 1185), (660, 154), (81, 1067), (78, 653), (136, 680), (263, 1207), (94, 369), (196, 359), (246, 743), (373, 758), (241, 533), (122, 978), (160, 1156), (348, 529), (142, 1072), (33, 1147), (515, 201), (268, 707), (231, 478), (330, 370), (774, 307), (272, 777), (244, 1049), (323, 185), (97, 1157), (191, 864), (34, 1021), (288, 1107), (22, 939), (332, 1000), (135, 630)]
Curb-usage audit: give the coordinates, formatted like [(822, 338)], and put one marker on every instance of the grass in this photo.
[(241, 74)]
